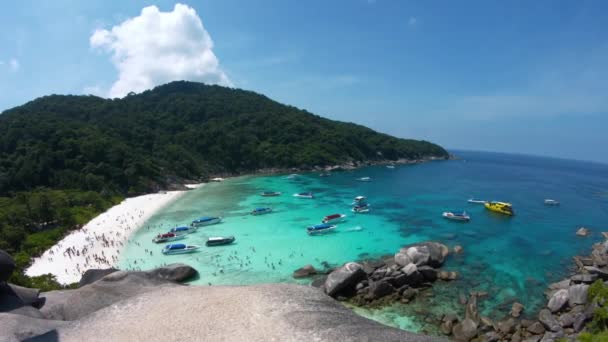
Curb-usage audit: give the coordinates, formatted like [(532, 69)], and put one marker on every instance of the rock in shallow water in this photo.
[(465, 330), (305, 271), (344, 278)]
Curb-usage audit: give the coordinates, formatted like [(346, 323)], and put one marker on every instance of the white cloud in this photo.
[(13, 65), (158, 47), (412, 21)]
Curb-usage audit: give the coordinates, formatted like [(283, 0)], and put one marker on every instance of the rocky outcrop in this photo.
[(344, 278), (582, 231), (558, 300), (17, 327), (92, 275), (304, 272)]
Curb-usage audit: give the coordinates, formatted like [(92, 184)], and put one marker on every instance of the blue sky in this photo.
[(510, 76)]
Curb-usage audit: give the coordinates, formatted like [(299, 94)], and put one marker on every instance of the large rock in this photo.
[(507, 326), (584, 278), (471, 311), (92, 275), (429, 273), (177, 272), (582, 231), (380, 289), (600, 272), (426, 253), (566, 320), (402, 259), (343, 278), (577, 294), (7, 266), (304, 272), (465, 330), (548, 320), (280, 312), (516, 309), (15, 327), (558, 300), (536, 328)]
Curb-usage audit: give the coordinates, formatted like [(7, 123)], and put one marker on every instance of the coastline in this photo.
[(99, 243)]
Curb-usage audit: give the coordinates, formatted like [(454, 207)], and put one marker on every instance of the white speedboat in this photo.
[(218, 179), (179, 248), (304, 195), (219, 241), (261, 211), (390, 166), (168, 237), (183, 230), (551, 202), (477, 201), (206, 221), (364, 179), (271, 193), (359, 200), (462, 217), (334, 218), (320, 229)]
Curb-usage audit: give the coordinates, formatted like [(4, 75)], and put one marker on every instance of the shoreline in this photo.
[(99, 242)]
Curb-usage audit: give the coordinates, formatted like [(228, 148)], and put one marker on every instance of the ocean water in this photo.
[(511, 258)]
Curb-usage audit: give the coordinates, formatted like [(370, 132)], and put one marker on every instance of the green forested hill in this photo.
[(64, 159), (182, 129)]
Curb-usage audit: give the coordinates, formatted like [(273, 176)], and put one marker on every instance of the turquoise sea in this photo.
[(512, 258)]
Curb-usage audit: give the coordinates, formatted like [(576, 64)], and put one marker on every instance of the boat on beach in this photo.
[(183, 230), (500, 207), (261, 211), (179, 248), (168, 237), (206, 221), (334, 218), (551, 202), (477, 201), (219, 241), (304, 195), (271, 193), (364, 179), (320, 229), (457, 216)]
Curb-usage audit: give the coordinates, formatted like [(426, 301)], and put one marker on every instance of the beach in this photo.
[(99, 243)]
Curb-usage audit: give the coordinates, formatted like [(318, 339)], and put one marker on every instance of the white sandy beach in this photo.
[(99, 242)]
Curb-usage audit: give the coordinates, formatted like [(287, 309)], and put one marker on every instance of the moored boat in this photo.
[(219, 241), (477, 201), (168, 237), (551, 202), (206, 221), (271, 193), (359, 200), (457, 216), (500, 207), (360, 208), (183, 230), (179, 248), (261, 211), (320, 229), (334, 218), (304, 195)]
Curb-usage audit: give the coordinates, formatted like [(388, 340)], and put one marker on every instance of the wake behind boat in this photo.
[(334, 218), (477, 201), (320, 229), (168, 237), (206, 221), (457, 216), (219, 241), (179, 248), (304, 195), (261, 211)]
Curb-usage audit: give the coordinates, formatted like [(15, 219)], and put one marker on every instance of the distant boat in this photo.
[(500, 207), (179, 248), (292, 176), (474, 200), (219, 241), (218, 179), (334, 218), (320, 229), (206, 221), (360, 208), (390, 166), (183, 230), (551, 202), (304, 195), (359, 200), (463, 217), (168, 237), (261, 211), (324, 174), (271, 193), (364, 179)]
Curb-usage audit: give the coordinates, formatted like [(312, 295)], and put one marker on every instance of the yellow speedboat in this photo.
[(500, 207)]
